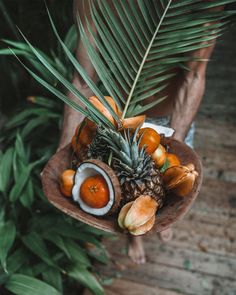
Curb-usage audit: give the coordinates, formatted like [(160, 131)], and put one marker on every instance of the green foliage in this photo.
[(40, 248), (142, 41), (136, 51), (24, 285), (30, 16), (46, 245)]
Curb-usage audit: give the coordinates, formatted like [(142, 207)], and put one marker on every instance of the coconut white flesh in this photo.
[(84, 171), (167, 131)]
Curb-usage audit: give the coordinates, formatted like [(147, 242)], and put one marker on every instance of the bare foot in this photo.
[(136, 250), (166, 235)]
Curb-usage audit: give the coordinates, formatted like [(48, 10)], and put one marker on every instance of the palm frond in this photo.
[(140, 43), (70, 87), (136, 47)]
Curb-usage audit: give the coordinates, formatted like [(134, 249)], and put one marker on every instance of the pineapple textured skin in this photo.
[(134, 167)]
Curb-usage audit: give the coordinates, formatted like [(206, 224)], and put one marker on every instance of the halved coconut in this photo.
[(167, 131), (94, 167)]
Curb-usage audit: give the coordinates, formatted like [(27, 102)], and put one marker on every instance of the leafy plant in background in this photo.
[(40, 249)]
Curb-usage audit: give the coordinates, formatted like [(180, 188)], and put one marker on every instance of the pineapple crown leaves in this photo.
[(134, 50), (128, 158)]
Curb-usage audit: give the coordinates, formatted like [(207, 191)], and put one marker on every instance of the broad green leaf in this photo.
[(77, 253), (16, 260), (86, 279), (84, 237), (70, 231), (99, 254), (94, 231), (58, 241), (24, 285), (27, 195), (34, 123), (23, 116), (42, 223), (3, 278), (7, 238), (21, 181), (26, 270), (44, 102), (19, 164), (6, 169), (53, 278), (19, 147), (36, 244), (39, 268), (67, 230)]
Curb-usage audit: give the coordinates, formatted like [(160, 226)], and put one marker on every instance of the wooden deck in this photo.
[(201, 258)]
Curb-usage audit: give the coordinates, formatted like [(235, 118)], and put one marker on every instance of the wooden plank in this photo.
[(213, 238), (220, 111), (216, 197), (219, 165), (178, 280), (212, 133), (121, 287), (170, 255)]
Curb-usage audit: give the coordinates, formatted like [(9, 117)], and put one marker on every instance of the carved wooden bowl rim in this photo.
[(174, 207)]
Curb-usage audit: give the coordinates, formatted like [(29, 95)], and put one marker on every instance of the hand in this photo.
[(180, 136), (71, 120)]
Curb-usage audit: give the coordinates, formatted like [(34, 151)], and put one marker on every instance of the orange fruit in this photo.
[(67, 182), (84, 134), (94, 191), (159, 156), (150, 138), (172, 159)]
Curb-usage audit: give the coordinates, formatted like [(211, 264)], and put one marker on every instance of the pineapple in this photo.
[(134, 167)]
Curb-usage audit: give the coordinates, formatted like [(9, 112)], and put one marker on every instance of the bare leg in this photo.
[(166, 235), (136, 250)]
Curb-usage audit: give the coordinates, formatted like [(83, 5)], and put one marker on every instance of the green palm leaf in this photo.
[(139, 44), (137, 47)]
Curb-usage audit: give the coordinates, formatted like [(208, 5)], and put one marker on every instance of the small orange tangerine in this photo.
[(150, 138), (94, 191), (84, 134), (67, 182), (159, 156), (172, 159)]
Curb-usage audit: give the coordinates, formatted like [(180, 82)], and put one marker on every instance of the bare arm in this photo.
[(189, 94), (191, 91)]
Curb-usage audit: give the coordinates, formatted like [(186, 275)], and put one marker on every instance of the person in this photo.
[(178, 111)]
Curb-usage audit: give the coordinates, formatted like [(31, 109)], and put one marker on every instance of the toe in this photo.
[(166, 235)]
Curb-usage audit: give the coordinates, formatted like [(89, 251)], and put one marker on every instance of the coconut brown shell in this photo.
[(173, 209)]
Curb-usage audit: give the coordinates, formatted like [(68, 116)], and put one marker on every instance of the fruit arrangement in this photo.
[(126, 172)]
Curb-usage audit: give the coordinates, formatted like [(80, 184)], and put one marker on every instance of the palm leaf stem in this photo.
[(144, 60)]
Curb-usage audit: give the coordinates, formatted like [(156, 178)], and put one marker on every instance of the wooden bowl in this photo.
[(173, 209)]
